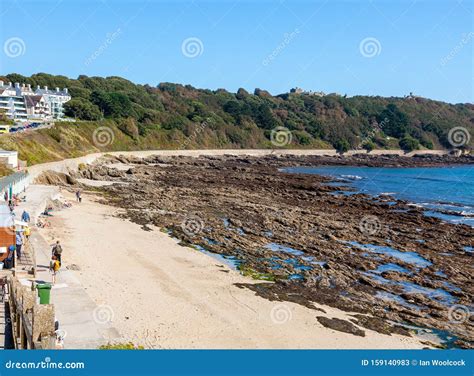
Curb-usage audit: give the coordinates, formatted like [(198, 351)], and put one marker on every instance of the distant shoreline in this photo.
[(73, 163)]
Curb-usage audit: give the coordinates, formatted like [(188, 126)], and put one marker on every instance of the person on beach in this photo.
[(5, 196), (54, 266), (57, 251), (27, 232), (25, 216), (78, 196), (19, 244), (9, 259)]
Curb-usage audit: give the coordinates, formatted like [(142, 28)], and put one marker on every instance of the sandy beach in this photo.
[(159, 294)]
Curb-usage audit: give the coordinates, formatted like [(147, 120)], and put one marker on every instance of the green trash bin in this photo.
[(44, 292)]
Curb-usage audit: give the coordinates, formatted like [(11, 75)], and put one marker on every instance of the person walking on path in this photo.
[(19, 244), (54, 266), (25, 216), (78, 196), (27, 232), (57, 251)]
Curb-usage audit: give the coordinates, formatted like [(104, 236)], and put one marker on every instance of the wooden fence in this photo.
[(33, 324)]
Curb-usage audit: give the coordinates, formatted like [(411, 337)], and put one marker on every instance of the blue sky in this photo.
[(388, 48)]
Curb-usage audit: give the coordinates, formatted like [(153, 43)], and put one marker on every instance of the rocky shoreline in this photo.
[(358, 253)]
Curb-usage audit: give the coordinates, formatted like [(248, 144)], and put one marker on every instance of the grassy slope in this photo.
[(4, 171)]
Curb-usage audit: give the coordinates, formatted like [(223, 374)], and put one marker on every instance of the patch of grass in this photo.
[(4, 171), (254, 274), (121, 346)]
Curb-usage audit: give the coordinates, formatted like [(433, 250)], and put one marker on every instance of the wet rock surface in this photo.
[(340, 325), (354, 252)]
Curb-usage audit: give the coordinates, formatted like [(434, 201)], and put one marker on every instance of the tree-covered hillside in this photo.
[(243, 119)]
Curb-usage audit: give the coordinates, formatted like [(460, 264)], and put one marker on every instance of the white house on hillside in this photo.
[(37, 107), (55, 99), (21, 102), (9, 158), (12, 103)]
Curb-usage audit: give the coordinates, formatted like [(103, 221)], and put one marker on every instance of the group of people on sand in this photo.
[(11, 201), (22, 236)]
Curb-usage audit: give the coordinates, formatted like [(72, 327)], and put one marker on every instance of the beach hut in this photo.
[(7, 231)]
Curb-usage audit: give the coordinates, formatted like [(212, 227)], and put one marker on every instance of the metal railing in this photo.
[(18, 181)]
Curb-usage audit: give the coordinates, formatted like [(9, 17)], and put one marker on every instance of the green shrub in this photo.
[(121, 346), (408, 143), (369, 146), (342, 146)]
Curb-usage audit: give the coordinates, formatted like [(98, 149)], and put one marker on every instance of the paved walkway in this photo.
[(76, 312)]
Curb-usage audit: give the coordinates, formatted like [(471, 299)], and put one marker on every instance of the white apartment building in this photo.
[(12, 103), (22, 102), (55, 99)]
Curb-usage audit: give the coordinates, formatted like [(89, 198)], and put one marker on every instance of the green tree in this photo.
[(112, 104), (233, 108), (82, 109), (265, 117), (393, 121), (316, 129)]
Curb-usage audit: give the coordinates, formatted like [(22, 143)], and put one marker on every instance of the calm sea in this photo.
[(449, 188)]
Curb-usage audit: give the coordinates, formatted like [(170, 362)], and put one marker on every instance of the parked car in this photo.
[(16, 129), (4, 129)]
